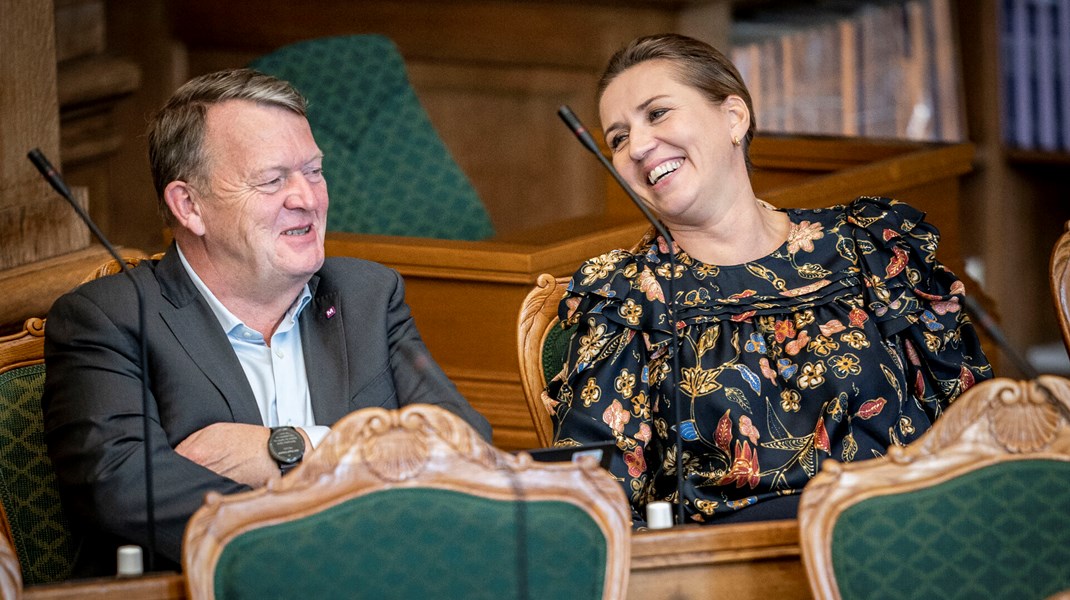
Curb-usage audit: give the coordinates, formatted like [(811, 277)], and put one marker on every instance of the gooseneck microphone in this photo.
[(588, 142), (56, 181)]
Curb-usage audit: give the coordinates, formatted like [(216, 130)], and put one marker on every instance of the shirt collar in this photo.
[(227, 320)]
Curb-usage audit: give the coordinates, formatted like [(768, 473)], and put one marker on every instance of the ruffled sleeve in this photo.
[(916, 301), (604, 391), (626, 289)]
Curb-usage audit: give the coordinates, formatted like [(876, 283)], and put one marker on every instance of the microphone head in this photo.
[(49, 172), (38, 159), (577, 128)]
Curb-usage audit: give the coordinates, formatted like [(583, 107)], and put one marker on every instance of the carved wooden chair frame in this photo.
[(538, 314), (1060, 282), (418, 446), (996, 421), (111, 267)]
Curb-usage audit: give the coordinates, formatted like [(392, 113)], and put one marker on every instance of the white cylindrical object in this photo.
[(129, 561), (659, 515)]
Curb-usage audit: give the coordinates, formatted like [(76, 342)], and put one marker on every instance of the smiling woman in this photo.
[(803, 334)]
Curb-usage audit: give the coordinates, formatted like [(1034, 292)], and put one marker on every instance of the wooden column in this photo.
[(34, 223)]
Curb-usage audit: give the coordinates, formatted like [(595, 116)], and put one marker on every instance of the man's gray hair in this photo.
[(176, 132)]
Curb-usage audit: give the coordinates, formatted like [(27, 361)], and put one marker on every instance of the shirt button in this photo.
[(246, 335), (279, 353)]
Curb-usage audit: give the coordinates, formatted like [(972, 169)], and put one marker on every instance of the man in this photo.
[(255, 340)]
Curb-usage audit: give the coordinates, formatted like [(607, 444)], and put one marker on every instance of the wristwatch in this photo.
[(287, 447)]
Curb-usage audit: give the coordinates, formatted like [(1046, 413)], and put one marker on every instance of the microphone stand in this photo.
[(588, 142), (56, 181), (994, 331)]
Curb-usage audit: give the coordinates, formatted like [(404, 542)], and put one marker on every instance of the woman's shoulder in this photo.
[(622, 285), (612, 268), (864, 212)]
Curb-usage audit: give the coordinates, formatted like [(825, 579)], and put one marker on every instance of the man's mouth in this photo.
[(298, 231), (662, 170)]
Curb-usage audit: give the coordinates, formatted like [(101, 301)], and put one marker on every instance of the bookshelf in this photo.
[(840, 67), (1017, 210), (952, 57)]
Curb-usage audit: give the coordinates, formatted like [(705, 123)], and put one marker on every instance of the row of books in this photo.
[(873, 69), (1035, 66)]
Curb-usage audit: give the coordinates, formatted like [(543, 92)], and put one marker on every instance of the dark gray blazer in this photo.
[(361, 349)]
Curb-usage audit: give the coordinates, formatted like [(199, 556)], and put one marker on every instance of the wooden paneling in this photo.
[(30, 289), (740, 561), (34, 223)]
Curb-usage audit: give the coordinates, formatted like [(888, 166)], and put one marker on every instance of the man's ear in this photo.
[(178, 195), (738, 116)]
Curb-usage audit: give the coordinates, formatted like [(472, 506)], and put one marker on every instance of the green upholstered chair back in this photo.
[(38, 528), (421, 543), (998, 532), (979, 507), (414, 504), (554, 348), (388, 171)]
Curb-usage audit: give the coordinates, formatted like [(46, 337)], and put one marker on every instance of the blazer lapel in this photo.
[(198, 332), (324, 343)]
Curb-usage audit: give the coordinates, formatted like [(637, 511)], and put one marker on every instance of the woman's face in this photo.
[(670, 142)]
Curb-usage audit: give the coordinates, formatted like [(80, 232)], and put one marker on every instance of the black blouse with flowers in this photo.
[(847, 339)]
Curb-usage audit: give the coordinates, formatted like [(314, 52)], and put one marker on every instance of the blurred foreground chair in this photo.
[(541, 344), (978, 507), (387, 169), (34, 523), (413, 504)]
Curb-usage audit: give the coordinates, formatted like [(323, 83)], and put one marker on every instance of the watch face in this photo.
[(286, 445)]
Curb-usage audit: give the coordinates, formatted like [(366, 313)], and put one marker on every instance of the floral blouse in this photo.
[(847, 339)]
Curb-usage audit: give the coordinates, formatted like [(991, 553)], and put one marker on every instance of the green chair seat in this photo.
[(554, 350)]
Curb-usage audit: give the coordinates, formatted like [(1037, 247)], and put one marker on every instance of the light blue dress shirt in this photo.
[(276, 373)]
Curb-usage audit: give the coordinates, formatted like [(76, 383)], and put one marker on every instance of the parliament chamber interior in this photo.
[(919, 100)]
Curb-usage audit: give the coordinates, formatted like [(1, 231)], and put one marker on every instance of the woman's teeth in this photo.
[(662, 170)]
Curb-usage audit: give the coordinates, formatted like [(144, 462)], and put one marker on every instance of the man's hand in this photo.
[(234, 450)]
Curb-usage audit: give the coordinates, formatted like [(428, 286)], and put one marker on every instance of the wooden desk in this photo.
[(741, 561), (466, 296)]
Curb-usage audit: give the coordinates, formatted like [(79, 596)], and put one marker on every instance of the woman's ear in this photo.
[(738, 116), (178, 195)]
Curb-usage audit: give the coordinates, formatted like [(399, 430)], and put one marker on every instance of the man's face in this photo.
[(265, 212)]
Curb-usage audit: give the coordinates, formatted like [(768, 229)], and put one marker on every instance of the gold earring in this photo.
[(735, 140)]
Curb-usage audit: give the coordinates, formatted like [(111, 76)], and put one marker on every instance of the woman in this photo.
[(803, 334)]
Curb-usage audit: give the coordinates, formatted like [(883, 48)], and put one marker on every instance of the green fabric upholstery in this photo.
[(554, 349), (998, 532), (27, 481), (387, 170), (418, 543)]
